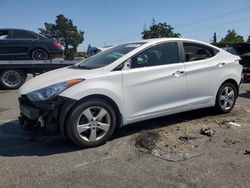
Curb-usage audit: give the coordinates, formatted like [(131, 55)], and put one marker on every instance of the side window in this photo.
[(4, 34), (194, 52), (161, 54), (23, 35)]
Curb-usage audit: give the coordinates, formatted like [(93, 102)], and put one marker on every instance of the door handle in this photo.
[(178, 73), (221, 64)]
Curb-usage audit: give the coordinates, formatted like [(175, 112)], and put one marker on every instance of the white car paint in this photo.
[(149, 92)]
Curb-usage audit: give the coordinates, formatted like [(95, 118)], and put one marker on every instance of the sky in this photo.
[(107, 22)]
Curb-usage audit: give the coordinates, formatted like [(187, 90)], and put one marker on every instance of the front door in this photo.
[(155, 82), (4, 44)]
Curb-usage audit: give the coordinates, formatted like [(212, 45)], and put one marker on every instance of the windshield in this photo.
[(108, 56)]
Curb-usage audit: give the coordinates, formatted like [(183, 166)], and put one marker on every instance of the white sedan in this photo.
[(130, 83)]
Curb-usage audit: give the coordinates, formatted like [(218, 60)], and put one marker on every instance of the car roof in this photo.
[(168, 39), (157, 40), (14, 29)]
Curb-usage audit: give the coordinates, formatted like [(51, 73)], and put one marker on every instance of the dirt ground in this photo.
[(193, 149)]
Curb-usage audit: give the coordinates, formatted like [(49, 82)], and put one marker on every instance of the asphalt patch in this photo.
[(147, 140)]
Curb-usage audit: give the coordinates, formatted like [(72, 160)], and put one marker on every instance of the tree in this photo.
[(153, 21), (248, 39), (230, 39), (64, 31), (215, 38), (159, 30)]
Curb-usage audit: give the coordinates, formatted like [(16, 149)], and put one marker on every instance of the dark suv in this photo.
[(242, 50), (19, 44)]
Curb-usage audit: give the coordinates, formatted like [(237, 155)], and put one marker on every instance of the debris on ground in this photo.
[(227, 124), (243, 108), (247, 152), (168, 146), (207, 131), (157, 154), (234, 124), (230, 141), (186, 138), (219, 123)]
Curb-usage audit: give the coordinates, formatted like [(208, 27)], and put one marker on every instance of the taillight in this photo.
[(57, 44)]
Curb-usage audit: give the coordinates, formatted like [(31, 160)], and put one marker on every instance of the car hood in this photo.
[(57, 76)]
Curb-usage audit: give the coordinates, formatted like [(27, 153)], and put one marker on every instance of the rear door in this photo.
[(203, 71), (155, 83)]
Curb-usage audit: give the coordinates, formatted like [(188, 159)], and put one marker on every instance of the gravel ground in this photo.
[(163, 152)]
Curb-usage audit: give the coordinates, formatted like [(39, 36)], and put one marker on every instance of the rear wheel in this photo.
[(226, 98), (12, 79), (39, 54), (91, 123)]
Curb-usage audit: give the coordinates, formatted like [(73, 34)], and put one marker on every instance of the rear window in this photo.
[(23, 35), (195, 52), (4, 35)]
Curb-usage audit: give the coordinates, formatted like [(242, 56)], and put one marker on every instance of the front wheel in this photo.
[(91, 123), (12, 79), (226, 98)]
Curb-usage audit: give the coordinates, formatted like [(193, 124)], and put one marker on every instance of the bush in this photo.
[(70, 54)]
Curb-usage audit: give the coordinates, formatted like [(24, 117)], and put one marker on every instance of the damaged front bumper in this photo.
[(49, 115)]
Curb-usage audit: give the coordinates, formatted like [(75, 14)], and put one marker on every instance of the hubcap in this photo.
[(227, 98), (93, 124), (11, 78)]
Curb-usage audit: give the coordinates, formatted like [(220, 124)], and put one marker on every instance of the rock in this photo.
[(247, 152), (207, 131)]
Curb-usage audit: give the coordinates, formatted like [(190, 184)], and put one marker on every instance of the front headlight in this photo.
[(52, 91)]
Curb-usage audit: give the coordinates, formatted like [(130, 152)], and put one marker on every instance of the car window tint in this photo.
[(194, 52), (23, 35), (161, 54), (3, 35)]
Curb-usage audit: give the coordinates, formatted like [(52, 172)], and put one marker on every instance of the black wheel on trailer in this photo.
[(12, 79), (39, 54)]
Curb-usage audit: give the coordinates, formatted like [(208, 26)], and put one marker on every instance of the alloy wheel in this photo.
[(227, 98), (93, 123)]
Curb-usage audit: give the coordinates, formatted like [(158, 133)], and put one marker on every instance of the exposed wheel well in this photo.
[(232, 81)]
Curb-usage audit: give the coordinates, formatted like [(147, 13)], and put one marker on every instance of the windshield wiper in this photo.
[(84, 67)]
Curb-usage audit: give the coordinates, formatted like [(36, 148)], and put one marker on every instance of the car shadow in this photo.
[(16, 142), (245, 94), (165, 121)]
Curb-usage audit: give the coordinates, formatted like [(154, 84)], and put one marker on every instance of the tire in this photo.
[(39, 54), (226, 98), (12, 79), (85, 128)]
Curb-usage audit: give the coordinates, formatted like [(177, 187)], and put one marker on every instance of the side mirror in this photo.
[(127, 65)]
